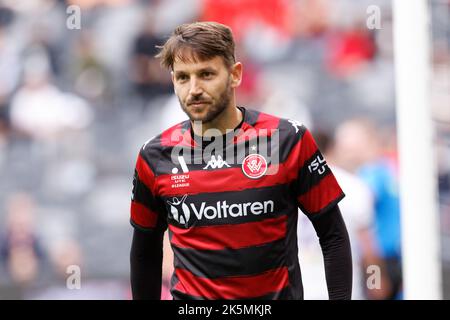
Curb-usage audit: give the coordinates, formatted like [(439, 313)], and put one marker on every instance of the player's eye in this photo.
[(182, 77), (206, 74)]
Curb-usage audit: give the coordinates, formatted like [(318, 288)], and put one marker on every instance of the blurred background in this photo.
[(76, 104)]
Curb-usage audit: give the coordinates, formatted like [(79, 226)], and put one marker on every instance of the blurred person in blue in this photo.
[(371, 153), (21, 253)]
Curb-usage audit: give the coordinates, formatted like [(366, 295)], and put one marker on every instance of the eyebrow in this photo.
[(179, 73), (206, 69)]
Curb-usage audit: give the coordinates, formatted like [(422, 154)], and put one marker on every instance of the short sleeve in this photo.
[(316, 186), (146, 210)]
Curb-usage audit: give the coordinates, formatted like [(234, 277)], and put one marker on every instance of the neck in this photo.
[(227, 120)]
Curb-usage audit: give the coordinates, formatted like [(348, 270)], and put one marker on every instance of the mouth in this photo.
[(198, 103)]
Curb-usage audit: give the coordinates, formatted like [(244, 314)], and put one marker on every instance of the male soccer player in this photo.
[(231, 209)]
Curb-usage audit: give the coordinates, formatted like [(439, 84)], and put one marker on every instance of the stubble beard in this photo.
[(214, 110)]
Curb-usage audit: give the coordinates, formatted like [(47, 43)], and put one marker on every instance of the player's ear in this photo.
[(236, 74)]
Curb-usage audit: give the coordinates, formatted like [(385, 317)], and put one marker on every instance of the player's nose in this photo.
[(195, 88)]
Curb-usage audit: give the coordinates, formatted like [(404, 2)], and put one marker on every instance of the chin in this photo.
[(198, 116), (205, 114)]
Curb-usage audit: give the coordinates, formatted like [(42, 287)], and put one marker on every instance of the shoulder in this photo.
[(287, 135), (289, 128), (152, 149)]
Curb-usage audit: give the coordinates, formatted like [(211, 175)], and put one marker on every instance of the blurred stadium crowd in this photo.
[(76, 105)]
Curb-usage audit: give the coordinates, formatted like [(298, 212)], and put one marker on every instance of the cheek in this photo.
[(180, 92), (219, 87)]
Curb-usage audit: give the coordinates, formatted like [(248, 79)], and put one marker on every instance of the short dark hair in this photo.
[(205, 40)]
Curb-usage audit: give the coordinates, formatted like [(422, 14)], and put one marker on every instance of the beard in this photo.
[(213, 110)]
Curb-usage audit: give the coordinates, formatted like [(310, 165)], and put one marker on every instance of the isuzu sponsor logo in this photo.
[(318, 164)]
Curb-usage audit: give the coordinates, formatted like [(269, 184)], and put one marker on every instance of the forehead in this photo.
[(188, 61)]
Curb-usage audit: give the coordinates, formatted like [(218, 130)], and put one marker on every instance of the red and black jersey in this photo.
[(231, 212)]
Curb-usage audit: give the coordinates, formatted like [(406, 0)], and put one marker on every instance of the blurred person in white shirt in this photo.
[(40, 110), (358, 208)]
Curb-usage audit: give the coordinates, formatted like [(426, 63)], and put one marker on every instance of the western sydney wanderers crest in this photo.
[(254, 166)]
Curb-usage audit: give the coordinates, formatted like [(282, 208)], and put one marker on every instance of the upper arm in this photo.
[(317, 189), (146, 212)]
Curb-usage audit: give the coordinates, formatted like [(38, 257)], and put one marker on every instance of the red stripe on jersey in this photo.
[(231, 179), (321, 195), (308, 148), (292, 164), (299, 154), (175, 136), (143, 216), (172, 136), (265, 126), (145, 174), (232, 236), (245, 126), (232, 287), (266, 121)]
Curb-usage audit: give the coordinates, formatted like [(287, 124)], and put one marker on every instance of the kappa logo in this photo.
[(214, 163), (254, 166), (179, 210), (295, 124)]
